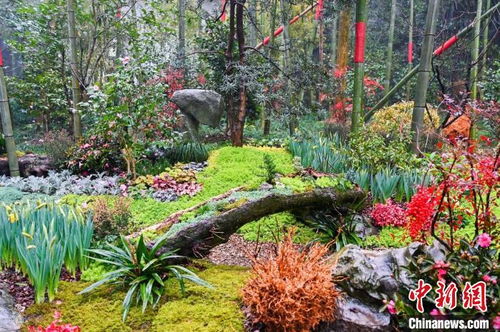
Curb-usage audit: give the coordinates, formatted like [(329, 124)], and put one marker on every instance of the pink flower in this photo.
[(484, 240), (486, 278), (496, 322), (434, 312), (125, 60), (441, 273), (391, 307), (441, 265)]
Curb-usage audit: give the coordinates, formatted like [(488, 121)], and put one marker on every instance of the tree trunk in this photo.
[(181, 51), (239, 113), (475, 52), (359, 65), (265, 120), (8, 133), (388, 70), (198, 238), (424, 73), (337, 113), (410, 49), (75, 83), (230, 66)]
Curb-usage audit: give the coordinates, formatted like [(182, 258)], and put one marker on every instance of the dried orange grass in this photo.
[(293, 291)]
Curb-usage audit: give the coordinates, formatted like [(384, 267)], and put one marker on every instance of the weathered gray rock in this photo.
[(199, 106), (353, 315), (363, 226), (373, 275), (10, 319)]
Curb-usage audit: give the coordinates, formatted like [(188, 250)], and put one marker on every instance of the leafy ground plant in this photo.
[(143, 270)]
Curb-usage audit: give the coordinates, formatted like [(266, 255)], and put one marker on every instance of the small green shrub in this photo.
[(9, 195), (187, 152), (57, 145), (111, 217), (269, 168), (389, 237)]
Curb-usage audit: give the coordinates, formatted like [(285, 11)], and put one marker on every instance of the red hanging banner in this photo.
[(223, 16), (359, 48), (319, 10), (1, 57), (446, 45), (410, 52)]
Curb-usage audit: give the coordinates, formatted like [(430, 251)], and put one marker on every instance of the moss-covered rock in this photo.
[(202, 309)]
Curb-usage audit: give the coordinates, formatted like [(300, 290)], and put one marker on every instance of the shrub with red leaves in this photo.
[(420, 211), (55, 327), (388, 214), (293, 291)]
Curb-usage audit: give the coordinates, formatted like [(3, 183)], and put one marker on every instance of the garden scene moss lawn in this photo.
[(249, 165)]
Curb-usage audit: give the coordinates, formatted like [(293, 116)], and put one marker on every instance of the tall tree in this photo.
[(475, 52), (237, 103), (75, 83), (410, 48), (8, 133), (181, 49), (359, 64), (390, 44), (424, 73)]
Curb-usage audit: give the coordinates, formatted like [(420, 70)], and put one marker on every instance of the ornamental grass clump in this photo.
[(293, 291), (40, 240)]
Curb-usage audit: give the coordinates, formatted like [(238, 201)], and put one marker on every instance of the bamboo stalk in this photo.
[(410, 48), (475, 52), (359, 65), (485, 41), (8, 132), (424, 73), (388, 70)]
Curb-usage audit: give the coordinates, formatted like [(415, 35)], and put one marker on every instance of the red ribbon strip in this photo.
[(278, 31), (446, 45), (1, 57), (295, 19), (223, 16), (359, 49), (319, 10), (410, 52)]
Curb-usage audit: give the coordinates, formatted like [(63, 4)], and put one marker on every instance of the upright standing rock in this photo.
[(199, 106)]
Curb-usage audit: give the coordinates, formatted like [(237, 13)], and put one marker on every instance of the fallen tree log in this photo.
[(196, 239)]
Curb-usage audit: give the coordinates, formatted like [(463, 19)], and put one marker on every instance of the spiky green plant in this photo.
[(143, 270)]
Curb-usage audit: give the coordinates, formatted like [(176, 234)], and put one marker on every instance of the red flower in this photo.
[(420, 211), (388, 214)]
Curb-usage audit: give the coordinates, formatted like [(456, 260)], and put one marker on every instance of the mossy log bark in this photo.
[(198, 238)]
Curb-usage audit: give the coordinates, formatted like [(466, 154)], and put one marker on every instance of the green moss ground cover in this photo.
[(202, 309)]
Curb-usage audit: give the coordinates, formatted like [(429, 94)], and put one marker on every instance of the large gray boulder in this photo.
[(199, 106), (373, 275)]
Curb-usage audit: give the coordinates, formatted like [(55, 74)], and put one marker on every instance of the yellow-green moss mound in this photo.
[(202, 309)]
